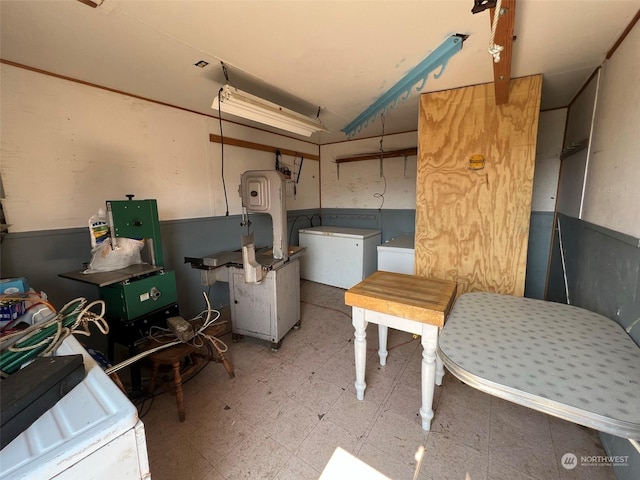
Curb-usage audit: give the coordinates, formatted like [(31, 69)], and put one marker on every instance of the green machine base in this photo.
[(132, 299)]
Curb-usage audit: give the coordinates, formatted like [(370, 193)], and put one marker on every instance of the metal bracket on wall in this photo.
[(574, 148)]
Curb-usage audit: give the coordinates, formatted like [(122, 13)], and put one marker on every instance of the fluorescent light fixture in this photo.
[(242, 104), (437, 58)]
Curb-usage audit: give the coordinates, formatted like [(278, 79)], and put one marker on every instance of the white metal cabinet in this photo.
[(269, 309), (338, 256)]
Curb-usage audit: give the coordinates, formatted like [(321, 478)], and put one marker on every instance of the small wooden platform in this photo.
[(422, 299)]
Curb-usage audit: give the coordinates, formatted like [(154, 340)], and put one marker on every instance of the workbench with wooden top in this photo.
[(409, 303)]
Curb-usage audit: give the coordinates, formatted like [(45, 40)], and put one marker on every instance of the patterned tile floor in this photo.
[(284, 413)]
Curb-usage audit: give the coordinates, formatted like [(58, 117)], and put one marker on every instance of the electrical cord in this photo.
[(31, 297), (196, 341), (348, 315), (381, 195), (328, 308), (310, 218), (43, 338), (224, 185), (141, 403), (316, 215)]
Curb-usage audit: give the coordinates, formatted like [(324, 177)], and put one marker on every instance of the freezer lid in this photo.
[(347, 232), (91, 415), (400, 242)]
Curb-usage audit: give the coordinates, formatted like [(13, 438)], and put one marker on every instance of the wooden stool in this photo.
[(174, 355)]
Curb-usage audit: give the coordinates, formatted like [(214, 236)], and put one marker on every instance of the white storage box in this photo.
[(397, 255), (92, 432), (338, 256)]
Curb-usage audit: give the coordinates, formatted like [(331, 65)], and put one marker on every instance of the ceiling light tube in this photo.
[(244, 105)]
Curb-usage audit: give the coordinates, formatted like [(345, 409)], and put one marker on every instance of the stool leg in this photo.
[(226, 363), (116, 379), (223, 358), (152, 380), (177, 379)]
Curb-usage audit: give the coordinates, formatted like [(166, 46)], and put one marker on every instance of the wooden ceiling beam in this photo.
[(504, 37)]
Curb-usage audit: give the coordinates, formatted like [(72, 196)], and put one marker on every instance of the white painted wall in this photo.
[(612, 188), (68, 147), (359, 184), (548, 148)]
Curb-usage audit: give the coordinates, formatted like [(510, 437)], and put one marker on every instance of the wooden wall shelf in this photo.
[(405, 152)]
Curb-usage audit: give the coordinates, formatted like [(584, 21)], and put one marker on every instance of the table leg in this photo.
[(382, 343), (360, 349), (439, 370), (429, 343), (439, 366)]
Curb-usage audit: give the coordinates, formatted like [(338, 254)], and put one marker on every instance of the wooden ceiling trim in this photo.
[(624, 35)]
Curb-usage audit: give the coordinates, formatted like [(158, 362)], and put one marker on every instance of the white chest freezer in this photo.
[(397, 255), (93, 432), (338, 256)]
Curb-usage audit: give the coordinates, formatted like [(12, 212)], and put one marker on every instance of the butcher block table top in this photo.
[(422, 299)]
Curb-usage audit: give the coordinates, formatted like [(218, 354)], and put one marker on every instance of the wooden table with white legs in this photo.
[(409, 303)]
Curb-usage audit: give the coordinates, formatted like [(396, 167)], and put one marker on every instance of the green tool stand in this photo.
[(139, 296)]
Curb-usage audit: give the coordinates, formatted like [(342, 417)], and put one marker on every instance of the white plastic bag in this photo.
[(106, 259)]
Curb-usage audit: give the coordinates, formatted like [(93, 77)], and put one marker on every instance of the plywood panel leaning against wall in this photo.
[(472, 221)]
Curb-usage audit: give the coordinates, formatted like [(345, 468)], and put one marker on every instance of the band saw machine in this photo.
[(264, 284), (139, 296)]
